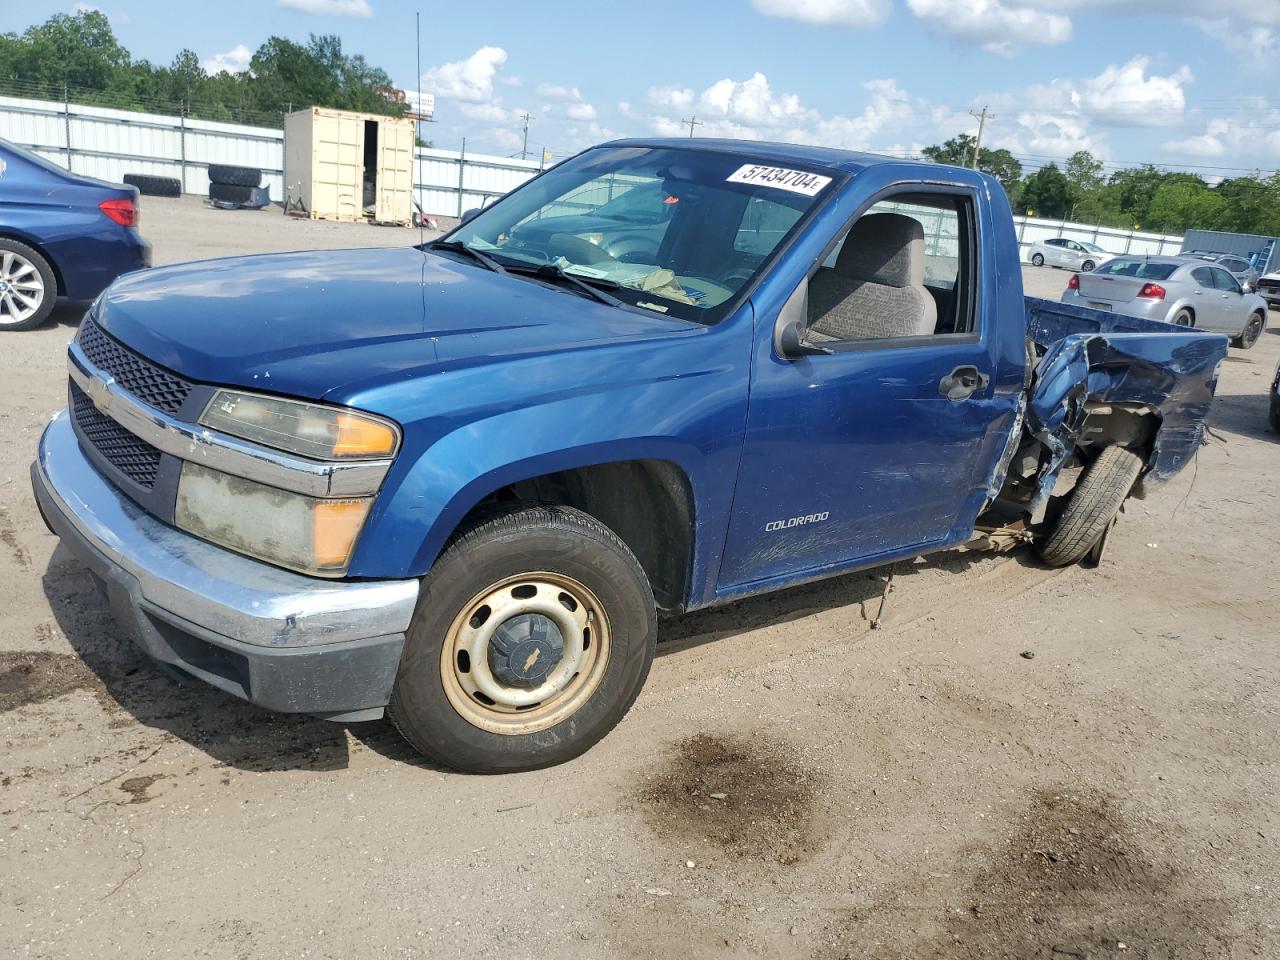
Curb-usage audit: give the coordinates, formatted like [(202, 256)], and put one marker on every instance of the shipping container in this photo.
[(340, 165), (1263, 253)]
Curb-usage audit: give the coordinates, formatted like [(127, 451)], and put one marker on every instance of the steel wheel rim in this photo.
[(21, 288), (488, 703)]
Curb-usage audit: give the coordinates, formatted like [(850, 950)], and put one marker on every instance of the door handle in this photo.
[(963, 382)]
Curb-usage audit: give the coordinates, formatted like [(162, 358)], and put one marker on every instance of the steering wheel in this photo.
[(577, 250)]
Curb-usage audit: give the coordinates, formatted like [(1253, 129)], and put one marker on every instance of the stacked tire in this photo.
[(150, 186), (240, 186)]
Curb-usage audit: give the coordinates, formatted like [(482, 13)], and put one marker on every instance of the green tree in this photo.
[(958, 152), (1178, 206), (1085, 173), (1047, 193), (77, 49)]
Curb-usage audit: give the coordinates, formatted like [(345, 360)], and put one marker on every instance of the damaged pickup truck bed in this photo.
[(456, 482)]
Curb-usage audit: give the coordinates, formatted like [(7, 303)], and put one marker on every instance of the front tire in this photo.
[(28, 289), (1037, 261), (1252, 331), (533, 636), (1087, 266), (1094, 503)]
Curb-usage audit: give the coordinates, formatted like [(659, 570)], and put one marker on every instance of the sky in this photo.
[(1179, 83)]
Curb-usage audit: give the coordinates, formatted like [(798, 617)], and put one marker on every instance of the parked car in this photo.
[(1068, 254), (1180, 290), (1240, 268), (1269, 288), (61, 235), (455, 483)]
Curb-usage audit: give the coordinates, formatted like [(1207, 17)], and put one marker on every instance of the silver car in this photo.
[(1191, 293), (1069, 254)]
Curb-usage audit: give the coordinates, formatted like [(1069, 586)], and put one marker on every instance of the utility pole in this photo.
[(982, 119), (692, 122), (524, 151)]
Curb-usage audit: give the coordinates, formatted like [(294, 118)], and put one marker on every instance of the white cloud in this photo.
[(330, 8), (470, 79), (1126, 96), (679, 98), (996, 25), (1256, 42), (581, 111), (851, 13), (1255, 140), (491, 112), (235, 60), (557, 92)]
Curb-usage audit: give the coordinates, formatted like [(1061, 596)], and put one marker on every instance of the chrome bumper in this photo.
[(277, 638)]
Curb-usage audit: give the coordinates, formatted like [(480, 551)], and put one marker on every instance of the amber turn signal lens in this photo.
[(336, 524), (361, 437)]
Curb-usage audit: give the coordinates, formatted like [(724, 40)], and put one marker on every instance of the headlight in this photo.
[(307, 429), (288, 529)]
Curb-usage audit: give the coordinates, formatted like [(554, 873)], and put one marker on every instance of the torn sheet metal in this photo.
[(1095, 357)]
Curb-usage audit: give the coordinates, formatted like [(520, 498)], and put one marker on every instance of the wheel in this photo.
[(1093, 505), (1037, 260), (235, 176), (533, 636), (27, 287), (1184, 318), (1252, 331), (1275, 415), (154, 186), (1087, 266)]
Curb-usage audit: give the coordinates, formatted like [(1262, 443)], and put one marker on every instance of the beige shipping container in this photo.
[(340, 165)]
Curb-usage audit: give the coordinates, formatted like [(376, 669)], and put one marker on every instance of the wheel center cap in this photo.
[(525, 649), (4, 286)]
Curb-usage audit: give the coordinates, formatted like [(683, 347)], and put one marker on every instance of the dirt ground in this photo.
[(790, 784)]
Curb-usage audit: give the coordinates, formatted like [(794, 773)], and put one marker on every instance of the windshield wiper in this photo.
[(457, 246), (553, 274)]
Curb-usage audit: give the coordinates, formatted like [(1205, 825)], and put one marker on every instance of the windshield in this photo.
[(674, 231)]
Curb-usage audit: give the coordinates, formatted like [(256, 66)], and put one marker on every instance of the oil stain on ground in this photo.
[(1073, 883), (746, 797), (137, 787), (34, 676)]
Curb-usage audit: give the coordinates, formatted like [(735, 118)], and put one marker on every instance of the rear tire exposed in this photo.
[(1094, 502), (1037, 261), (1087, 266), (1184, 318), (464, 695)]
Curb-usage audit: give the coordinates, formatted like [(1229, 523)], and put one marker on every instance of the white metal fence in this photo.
[(108, 143)]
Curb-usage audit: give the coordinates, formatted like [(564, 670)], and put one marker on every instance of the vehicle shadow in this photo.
[(863, 588), (229, 730), (67, 313), (1244, 414)]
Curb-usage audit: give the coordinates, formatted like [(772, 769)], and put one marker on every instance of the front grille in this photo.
[(1273, 285), (135, 458), (142, 378)]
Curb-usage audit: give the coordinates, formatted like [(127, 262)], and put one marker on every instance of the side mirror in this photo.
[(469, 215), (789, 333)]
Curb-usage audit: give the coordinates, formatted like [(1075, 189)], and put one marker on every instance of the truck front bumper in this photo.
[(282, 640)]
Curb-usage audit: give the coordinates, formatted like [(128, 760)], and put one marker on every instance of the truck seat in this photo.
[(876, 288)]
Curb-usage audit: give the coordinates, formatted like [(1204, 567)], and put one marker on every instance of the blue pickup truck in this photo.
[(456, 482)]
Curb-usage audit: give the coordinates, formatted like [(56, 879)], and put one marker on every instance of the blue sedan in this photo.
[(61, 235)]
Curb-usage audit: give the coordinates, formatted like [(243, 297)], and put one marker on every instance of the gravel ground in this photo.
[(924, 790)]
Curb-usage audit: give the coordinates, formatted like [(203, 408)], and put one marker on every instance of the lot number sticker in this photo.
[(796, 181)]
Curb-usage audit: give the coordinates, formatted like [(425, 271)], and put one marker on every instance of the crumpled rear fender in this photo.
[(1172, 372)]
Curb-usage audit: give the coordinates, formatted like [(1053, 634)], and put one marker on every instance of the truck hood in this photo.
[(327, 323)]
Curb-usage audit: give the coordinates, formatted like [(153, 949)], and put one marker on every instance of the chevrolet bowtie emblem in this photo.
[(99, 392)]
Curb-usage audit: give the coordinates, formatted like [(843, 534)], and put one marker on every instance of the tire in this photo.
[(1037, 260), (28, 288), (537, 550), (1275, 415), (1093, 505), (1087, 266), (235, 176), (154, 186), (1184, 318), (1252, 331)]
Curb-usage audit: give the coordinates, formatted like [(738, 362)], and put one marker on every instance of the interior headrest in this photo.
[(884, 248)]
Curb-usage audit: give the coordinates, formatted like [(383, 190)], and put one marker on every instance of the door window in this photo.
[(902, 269), (1203, 276), (1225, 281)]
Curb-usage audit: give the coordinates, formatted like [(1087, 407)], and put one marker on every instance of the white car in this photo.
[(1069, 254), (1269, 289)]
